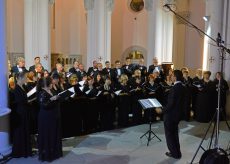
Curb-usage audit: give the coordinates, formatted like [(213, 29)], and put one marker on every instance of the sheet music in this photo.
[(87, 92), (68, 74), (133, 90), (32, 91), (145, 104), (72, 96), (118, 92), (198, 85), (81, 82), (71, 89), (61, 92), (150, 103), (151, 89), (81, 88), (155, 103), (99, 93)]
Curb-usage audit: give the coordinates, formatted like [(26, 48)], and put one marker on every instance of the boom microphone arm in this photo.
[(197, 28)]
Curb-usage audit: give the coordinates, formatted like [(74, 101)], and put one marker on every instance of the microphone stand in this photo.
[(217, 113)]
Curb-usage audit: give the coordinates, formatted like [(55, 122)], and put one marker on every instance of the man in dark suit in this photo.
[(59, 69), (172, 115), (153, 66), (156, 67), (81, 73), (142, 68), (36, 61), (75, 68), (92, 70), (128, 67), (20, 67), (107, 70), (117, 72), (38, 71)]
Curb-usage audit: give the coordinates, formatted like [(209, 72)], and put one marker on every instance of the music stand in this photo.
[(149, 104)]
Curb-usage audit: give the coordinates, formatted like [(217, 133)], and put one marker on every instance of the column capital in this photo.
[(89, 4), (109, 5), (149, 5)]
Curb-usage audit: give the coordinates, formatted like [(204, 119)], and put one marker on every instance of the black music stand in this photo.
[(149, 104)]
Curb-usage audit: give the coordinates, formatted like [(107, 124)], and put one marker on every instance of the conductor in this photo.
[(172, 112)]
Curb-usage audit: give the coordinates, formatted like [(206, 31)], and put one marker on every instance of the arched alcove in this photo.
[(138, 52)]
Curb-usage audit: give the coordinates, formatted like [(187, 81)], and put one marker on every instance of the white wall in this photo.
[(15, 26), (69, 36), (194, 41), (128, 29)]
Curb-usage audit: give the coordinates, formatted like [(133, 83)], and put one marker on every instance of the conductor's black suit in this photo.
[(172, 115)]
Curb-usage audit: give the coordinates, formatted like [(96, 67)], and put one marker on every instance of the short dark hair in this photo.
[(117, 61), (127, 58), (220, 73), (107, 62), (37, 57), (208, 73), (178, 74)]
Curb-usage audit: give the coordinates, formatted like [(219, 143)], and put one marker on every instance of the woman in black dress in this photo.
[(107, 106), (205, 100), (21, 133), (187, 82), (137, 92), (152, 90), (223, 93), (123, 101), (49, 131), (91, 111)]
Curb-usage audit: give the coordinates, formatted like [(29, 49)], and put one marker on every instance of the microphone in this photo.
[(168, 5)]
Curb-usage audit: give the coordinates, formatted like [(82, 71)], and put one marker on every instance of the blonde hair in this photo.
[(72, 79), (20, 59), (123, 78), (30, 76), (11, 82)]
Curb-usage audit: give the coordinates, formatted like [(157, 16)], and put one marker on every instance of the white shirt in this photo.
[(118, 71), (19, 69), (177, 82)]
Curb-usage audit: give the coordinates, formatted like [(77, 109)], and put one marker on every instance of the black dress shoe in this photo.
[(170, 155)]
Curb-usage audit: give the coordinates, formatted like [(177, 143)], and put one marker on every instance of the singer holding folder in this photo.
[(21, 134), (49, 129), (172, 115)]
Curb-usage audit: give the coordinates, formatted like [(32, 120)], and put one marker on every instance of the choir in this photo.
[(103, 99)]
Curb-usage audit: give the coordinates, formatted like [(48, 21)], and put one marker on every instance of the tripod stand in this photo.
[(215, 128), (150, 132), (216, 121)]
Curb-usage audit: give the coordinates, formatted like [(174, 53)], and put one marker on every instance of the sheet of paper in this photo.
[(32, 91), (71, 89), (98, 93), (155, 103), (81, 88), (87, 92), (68, 74), (82, 82), (118, 92), (72, 96)]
